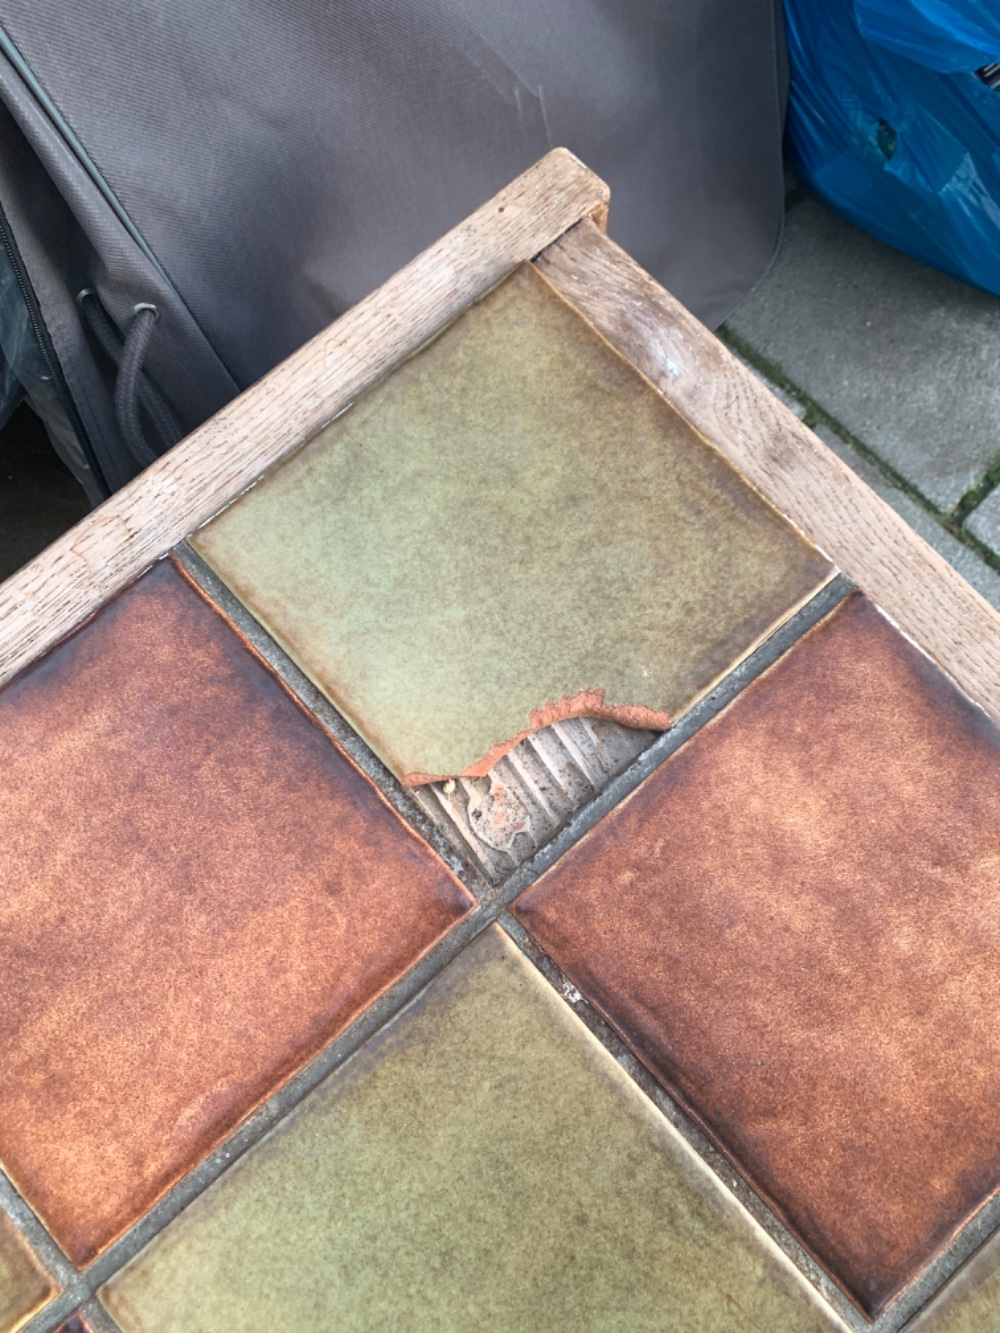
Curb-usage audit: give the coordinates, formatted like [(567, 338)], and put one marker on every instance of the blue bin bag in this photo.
[(908, 150), (951, 36)]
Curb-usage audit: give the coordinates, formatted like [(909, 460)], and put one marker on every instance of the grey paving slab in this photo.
[(907, 359), (984, 522), (969, 565)]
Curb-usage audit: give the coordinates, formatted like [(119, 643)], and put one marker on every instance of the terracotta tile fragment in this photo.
[(512, 529), (482, 1164), (24, 1287), (198, 889), (795, 922)]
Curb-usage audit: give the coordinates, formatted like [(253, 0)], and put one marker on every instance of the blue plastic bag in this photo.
[(952, 36), (889, 122)]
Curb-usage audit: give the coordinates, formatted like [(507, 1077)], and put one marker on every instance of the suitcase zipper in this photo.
[(48, 351)]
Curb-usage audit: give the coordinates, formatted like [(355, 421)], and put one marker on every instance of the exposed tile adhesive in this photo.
[(794, 924), (512, 529), (504, 817)]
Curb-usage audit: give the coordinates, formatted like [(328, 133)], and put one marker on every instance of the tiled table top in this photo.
[(273, 1061), (23, 1285), (482, 1164), (513, 527), (199, 890), (792, 924)]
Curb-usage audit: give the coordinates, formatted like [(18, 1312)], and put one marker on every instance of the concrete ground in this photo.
[(896, 367)]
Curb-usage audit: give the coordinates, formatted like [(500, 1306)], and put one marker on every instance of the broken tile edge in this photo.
[(585, 703)]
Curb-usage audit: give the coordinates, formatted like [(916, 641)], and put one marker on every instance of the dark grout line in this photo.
[(668, 742), (492, 902), (317, 704), (952, 522), (716, 1161)]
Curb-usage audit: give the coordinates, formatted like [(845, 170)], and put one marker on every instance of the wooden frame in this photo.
[(554, 213), (785, 460), (70, 579)]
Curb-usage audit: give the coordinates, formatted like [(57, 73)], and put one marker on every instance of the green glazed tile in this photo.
[(24, 1288), (512, 518), (481, 1164), (970, 1302)]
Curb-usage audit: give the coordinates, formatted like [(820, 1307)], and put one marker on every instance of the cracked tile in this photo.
[(483, 1164), (198, 890), (512, 528), (794, 923)]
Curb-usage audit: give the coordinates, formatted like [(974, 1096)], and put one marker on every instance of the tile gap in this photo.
[(973, 543), (975, 495)]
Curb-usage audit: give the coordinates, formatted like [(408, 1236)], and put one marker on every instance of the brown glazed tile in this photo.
[(198, 890), (795, 922), (481, 1165)]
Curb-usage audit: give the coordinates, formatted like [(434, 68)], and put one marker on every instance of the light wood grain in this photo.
[(790, 465), (50, 596)]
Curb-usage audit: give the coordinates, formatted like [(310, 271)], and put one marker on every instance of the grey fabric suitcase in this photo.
[(221, 181)]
